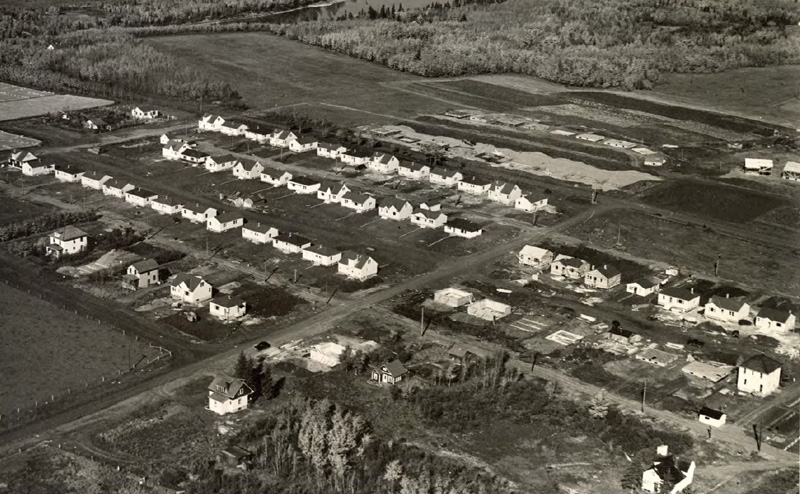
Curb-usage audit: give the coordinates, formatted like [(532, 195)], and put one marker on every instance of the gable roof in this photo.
[(227, 301), (413, 165), (646, 283), (69, 232), (168, 200), (97, 121), (681, 293), (383, 158), (303, 180), (476, 181), (273, 172), (570, 261), (504, 187), (396, 368), (145, 265), (139, 192), (323, 250), (464, 225), (334, 187), (356, 197), (70, 168), (534, 251), (607, 270), (248, 163), (394, 202), (228, 217), (191, 281), (329, 146), (354, 259), (258, 227), (443, 172), (234, 124), (285, 134), (116, 183), (358, 153), (761, 363), (226, 387), (778, 315), (194, 153), (427, 213), (668, 470), (292, 239), (727, 303), (306, 140), (224, 158)]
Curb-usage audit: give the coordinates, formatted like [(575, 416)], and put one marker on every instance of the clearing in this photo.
[(19, 102)]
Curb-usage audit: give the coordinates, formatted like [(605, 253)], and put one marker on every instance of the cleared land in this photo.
[(13, 141), (15, 105), (9, 92)]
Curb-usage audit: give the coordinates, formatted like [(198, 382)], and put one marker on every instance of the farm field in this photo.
[(22, 103), (12, 141), (61, 350)]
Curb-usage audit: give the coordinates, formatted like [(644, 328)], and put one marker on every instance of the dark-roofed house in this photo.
[(36, 168), (711, 417), (227, 307), (668, 470), (303, 185), (460, 227), (603, 277), (413, 170), (303, 144), (258, 134), (68, 173), (19, 157), (166, 205), (224, 222), (247, 169), (282, 138), (424, 218), (233, 127), (189, 288), (504, 192), (258, 233), (394, 208), (67, 241), (221, 163), (330, 150), (194, 156), (357, 266), (278, 178), (332, 192), (383, 163), (355, 157), (141, 275), (759, 375), (358, 202), (726, 309), (680, 299), (643, 288), (228, 395), (391, 373), (775, 319), (445, 177), (569, 267), (140, 197), (290, 243), (321, 255), (474, 185)]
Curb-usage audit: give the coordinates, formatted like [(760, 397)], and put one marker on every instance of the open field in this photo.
[(18, 209), (12, 109), (13, 141), (9, 92)]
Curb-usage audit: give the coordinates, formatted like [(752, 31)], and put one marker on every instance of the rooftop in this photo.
[(761, 363), (778, 315)]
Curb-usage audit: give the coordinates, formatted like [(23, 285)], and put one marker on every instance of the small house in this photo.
[(141, 275), (117, 188), (643, 288), (278, 178), (383, 163), (474, 185), (247, 169), (166, 205), (194, 156), (756, 166), (303, 185), (321, 255), (444, 177), (174, 149), (189, 289), (654, 160), (228, 395), (726, 309), (569, 267), (96, 124), (67, 241), (590, 137), (775, 319), (303, 144), (69, 173), (709, 416), (282, 138), (330, 150), (618, 143), (530, 255), (355, 157), (668, 470), (394, 208), (94, 180), (332, 192), (431, 205), (413, 170), (603, 277), (424, 218), (19, 157), (358, 202), (233, 127), (227, 308), (489, 310), (140, 197), (530, 203), (290, 243), (791, 171), (459, 227), (391, 373), (210, 122), (504, 192), (681, 299), (198, 213), (357, 266), (759, 375), (145, 113), (258, 134), (452, 297), (224, 222), (220, 163), (36, 168), (258, 233)]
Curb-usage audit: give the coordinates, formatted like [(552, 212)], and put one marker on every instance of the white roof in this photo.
[(533, 251), (792, 166), (757, 163)]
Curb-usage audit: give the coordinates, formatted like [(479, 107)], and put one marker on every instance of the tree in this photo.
[(632, 478), (242, 368), (266, 381), (393, 473), (598, 408)]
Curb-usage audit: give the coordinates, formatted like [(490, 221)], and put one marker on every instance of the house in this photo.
[(235, 457), (258, 134), (36, 168), (282, 138), (530, 203), (357, 266), (726, 309), (680, 299), (452, 297), (474, 185), (504, 193), (769, 319), (332, 192), (194, 156), (460, 227), (189, 289), (654, 160), (590, 137), (198, 213), (233, 127), (258, 233), (19, 157), (791, 171), (210, 122), (67, 241), (445, 177), (69, 173), (320, 255), (96, 124), (667, 470), (117, 188), (140, 197), (530, 255), (709, 416), (228, 395), (358, 202), (303, 185), (174, 149), (488, 310), (643, 288), (383, 163), (327, 353), (224, 222), (275, 177), (424, 218), (145, 113), (141, 275), (603, 277), (290, 243), (247, 169), (227, 308), (431, 205), (355, 157), (394, 208), (94, 180), (220, 163), (413, 170), (329, 150), (756, 166), (623, 336), (303, 144), (569, 267), (391, 373), (166, 205), (759, 375), (617, 143)]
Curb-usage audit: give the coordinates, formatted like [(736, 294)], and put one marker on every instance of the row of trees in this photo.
[(44, 223)]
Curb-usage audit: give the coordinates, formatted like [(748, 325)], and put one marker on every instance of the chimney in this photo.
[(691, 290), (662, 450), (727, 295), (605, 266)]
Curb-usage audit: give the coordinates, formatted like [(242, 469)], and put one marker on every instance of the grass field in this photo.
[(46, 350), (10, 92), (13, 141), (13, 108), (16, 209)]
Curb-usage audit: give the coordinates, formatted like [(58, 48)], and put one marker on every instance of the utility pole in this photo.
[(295, 276), (644, 394), (533, 221), (594, 196), (619, 234), (716, 267), (422, 322)]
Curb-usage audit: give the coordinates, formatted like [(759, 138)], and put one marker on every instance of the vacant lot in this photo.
[(46, 350), (16, 105), (12, 209)]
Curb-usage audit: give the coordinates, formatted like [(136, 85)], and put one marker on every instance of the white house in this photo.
[(303, 185), (330, 150), (140, 197), (603, 277), (166, 205), (391, 373), (709, 416), (233, 127), (282, 138), (394, 208), (247, 169), (69, 173), (424, 218), (321, 255), (530, 203), (569, 267), (383, 163), (275, 177), (174, 149), (227, 308), (303, 144), (759, 375), (791, 171), (775, 319), (290, 243), (413, 170), (331, 192), (504, 193), (258, 134), (141, 274), (36, 168), (355, 158), (198, 213), (228, 395), (194, 156), (67, 241), (474, 185), (19, 157), (445, 177), (117, 188), (94, 180), (668, 470), (460, 227), (654, 160), (680, 299), (189, 289), (452, 297), (431, 205), (220, 163), (643, 288), (357, 266), (756, 166), (530, 255), (96, 124), (617, 143), (590, 137), (726, 309), (210, 122), (224, 222), (258, 233), (358, 202), (145, 113)]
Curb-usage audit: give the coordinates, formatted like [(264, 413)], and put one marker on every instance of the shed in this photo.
[(714, 418)]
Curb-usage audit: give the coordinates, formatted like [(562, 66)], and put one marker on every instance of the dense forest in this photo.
[(599, 43)]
